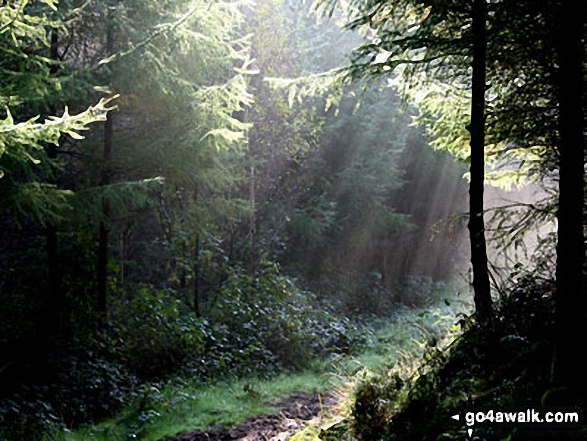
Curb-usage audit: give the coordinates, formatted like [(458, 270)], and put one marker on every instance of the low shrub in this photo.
[(155, 333), (254, 325), (415, 291), (269, 316), (499, 364)]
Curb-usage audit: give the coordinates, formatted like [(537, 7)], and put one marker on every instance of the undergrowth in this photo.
[(149, 372), (187, 403), (505, 363), (250, 325)]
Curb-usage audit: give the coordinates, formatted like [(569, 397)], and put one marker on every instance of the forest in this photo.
[(272, 220)]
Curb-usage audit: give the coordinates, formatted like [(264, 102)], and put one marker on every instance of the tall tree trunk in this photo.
[(571, 296), (54, 292), (104, 227), (102, 270), (253, 221), (197, 263), (197, 277), (483, 303)]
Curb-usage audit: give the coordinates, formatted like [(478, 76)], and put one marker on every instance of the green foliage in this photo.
[(275, 322), (172, 196), (371, 297), (345, 205), (155, 333), (413, 342), (25, 31), (24, 27), (255, 325), (162, 409), (425, 49), (183, 73), (522, 113), (19, 141), (445, 112), (500, 364), (252, 324), (375, 400), (415, 291)]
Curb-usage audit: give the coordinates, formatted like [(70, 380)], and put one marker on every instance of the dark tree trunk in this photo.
[(54, 293), (253, 223), (104, 227), (102, 270), (483, 303), (571, 300), (197, 278)]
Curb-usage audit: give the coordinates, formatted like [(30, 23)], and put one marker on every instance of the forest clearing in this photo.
[(358, 220)]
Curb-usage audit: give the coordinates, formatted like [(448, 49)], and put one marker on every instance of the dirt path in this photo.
[(296, 411)]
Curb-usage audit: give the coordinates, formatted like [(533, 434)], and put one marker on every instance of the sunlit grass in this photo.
[(397, 347), (188, 405), (192, 406)]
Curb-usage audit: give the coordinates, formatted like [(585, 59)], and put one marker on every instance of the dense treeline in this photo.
[(165, 209), (511, 74), (154, 243)]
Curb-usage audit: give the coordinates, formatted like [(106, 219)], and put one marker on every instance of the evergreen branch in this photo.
[(19, 139), (165, 29)]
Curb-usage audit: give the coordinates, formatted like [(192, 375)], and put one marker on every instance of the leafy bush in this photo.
[(155, 333), (374, 400), (506, 362), (370, 296), (366, 294), (415, 291), (277, 323), (254, 324)]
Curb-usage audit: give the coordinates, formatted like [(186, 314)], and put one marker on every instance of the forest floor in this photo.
[(275, 408), (295, 412)]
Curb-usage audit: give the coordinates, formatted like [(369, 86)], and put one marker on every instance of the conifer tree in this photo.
[(31, 90), (431, 43), (175, 134), (434, 40)]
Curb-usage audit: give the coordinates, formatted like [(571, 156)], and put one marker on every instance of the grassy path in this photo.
[(187, 405)]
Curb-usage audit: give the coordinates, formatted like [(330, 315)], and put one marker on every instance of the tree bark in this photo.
[(571, 300), (197, 277), (253, 223), (55, 299), (481, 287), (102, 270)]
